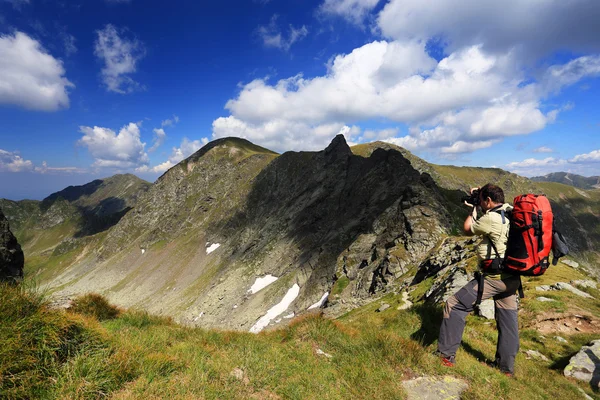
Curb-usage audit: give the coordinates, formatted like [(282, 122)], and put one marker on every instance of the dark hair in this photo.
[(493, 192)]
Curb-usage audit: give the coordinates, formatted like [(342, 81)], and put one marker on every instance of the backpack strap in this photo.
[(480, 283)]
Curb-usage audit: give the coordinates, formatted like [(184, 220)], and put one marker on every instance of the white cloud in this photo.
[(283, 135), (543, 149), (45, 169), (272, 36), (353, 11), (591, 157), (112, 150), (158, 140), (120, 56), (382, 134), (178, 154), (29, 76), (13, 162), (484, 88), (532, 28), (170, 122)]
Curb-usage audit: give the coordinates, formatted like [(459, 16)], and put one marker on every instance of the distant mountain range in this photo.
[(354, 223), (578, 181)]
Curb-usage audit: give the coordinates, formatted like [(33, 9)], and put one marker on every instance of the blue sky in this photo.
[(97, 87)]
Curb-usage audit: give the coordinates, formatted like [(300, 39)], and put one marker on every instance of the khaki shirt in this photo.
[(490, 226)]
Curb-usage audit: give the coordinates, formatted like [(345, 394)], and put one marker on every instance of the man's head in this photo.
[(490, 196)]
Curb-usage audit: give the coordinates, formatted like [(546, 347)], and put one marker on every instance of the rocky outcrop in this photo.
[(11, 255), (585, 365)]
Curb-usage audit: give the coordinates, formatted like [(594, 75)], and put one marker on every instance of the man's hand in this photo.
[(469, 204)]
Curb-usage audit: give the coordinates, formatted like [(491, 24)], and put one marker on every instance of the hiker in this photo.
[(493, 226)]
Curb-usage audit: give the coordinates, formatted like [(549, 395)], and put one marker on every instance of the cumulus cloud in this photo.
[(531, 28), (482, 90), (591, 157), (112, 150), (159, 138), (13, 162), (543, 149), (354, 11), (120, 56), (178, 154), (29, 76), (282, 135), (272, 35)]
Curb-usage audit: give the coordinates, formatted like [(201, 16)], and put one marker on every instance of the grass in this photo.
[(47, 353)]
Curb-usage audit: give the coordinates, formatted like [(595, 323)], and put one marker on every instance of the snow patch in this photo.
[(277, 309), (143, 251), (262, 283), (319, 303), (211, 247), (289, 316)]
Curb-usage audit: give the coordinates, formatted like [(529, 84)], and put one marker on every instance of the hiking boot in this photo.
[(508, 374), (447, 361)]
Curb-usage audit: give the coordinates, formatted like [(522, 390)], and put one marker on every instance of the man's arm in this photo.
[(469, 222)]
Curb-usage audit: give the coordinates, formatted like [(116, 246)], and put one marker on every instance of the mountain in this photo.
[(70, 217), (349, 223), (578, 181)]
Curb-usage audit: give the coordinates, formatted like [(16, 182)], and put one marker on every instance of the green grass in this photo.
[(47, 353)]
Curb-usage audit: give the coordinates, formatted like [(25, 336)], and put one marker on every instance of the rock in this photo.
[(406, 303), (434, 388), (585, 365), (585, 283), (585, 395), (487, 309), (560, 339), (536, 355), (544, 299), (570, 263), (566, 286), (447, 284), (322, 353), (11, 255), (240, 375), (543, 288), (383, 307)]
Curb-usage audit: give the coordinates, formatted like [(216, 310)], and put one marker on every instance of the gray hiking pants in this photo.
[(461, 304)]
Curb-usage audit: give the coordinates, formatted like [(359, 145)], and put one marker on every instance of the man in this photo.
[(493, 226)]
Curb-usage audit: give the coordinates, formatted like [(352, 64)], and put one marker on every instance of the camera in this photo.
[(472, 198)]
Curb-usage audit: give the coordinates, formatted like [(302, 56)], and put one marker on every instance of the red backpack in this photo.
[(530, 236)]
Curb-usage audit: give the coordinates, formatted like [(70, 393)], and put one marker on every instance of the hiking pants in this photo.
[(461, 304)]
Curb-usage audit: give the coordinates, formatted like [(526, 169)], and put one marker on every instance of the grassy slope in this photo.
[(68, 355)]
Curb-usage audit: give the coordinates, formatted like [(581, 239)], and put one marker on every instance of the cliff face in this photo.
[(11, 255)]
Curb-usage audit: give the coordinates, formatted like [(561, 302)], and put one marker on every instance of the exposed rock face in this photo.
[(11, 255), (585, 365)]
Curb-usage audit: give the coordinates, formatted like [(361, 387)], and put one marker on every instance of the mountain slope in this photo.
[(307, 218), (70, 217), (578, 181)]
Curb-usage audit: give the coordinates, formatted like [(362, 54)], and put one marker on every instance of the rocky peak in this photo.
[(11, 255)]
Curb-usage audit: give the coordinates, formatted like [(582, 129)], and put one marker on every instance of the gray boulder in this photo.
[(566, 286), (585, 365), (11, 255), (487, 309), (434, 388), (570, 263)]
